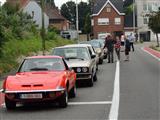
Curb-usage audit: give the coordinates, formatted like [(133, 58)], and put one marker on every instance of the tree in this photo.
[(68, 10), (154, 24), (87, 25), (84, 11)]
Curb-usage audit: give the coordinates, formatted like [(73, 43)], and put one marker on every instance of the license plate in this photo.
[(31, 96)]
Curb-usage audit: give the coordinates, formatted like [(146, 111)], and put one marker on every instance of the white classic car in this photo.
[(79, 57)]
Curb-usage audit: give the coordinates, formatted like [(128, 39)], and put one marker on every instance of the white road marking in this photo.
[(1, 90), (91, 103), (113, 115), (82, 103), (150, 54), (3, 105)]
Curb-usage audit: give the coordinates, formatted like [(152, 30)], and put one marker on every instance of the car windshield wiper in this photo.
[(74, 58), (39, 69)]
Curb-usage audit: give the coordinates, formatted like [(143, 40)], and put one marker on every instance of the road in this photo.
[(139, 95)]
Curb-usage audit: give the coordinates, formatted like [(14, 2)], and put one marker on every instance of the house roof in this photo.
[(53, 12), (100, 4), (21, 3)]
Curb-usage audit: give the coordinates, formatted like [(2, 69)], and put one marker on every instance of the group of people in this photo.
[(115, 44)]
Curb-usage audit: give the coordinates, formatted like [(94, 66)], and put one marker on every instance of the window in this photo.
[(145, 20), (145, 7), (108, 8), (103, 21), (92, 22), (149, 6), (117, 21)]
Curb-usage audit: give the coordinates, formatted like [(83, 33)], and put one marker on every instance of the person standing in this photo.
[(118, 46), (131, 40), (127, 48), (109, 44)]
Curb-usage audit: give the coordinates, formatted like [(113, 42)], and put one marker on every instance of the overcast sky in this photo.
[(58, 2)]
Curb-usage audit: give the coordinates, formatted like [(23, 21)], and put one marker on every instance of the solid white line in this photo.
[(1, 90), (150, 54), (82, 103), (116, 97), (91, 103)]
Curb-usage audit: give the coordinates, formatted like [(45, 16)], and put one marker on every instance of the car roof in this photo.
[(73, 45), (47, 56)]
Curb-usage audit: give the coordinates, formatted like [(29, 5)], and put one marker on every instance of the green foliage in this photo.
[(20, 37), (13, 49), (84, 11), (128, 9), (68, 10), (87, 25), (154, 24)]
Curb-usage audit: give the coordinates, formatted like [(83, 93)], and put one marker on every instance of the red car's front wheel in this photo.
[(63, 101), (10, 104)]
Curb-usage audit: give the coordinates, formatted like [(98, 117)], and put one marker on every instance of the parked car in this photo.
[(40, 79), (98, 48), (93, 52), (79, 58)]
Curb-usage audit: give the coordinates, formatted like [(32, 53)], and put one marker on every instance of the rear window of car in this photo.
[(42, 64), (72, 53)]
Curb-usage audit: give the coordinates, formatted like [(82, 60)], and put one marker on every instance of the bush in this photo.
[(13, 49)]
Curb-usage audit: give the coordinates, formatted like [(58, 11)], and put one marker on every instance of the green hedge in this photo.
[(13, 49)]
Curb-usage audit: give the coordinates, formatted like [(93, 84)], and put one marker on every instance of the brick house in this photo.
[(55, 18), (107, 18)]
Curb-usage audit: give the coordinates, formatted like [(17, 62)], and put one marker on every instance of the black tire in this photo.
[(10, 105), (95, 77), (63, 101), (90, 82), (100, 61), (72, 93)]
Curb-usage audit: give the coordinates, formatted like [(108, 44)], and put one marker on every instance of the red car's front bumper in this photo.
[(33, 95)]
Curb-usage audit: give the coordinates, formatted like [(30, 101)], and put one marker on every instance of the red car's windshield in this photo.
[(42, 64)]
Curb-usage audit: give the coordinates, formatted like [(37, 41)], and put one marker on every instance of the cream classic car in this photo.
[(80, 58)]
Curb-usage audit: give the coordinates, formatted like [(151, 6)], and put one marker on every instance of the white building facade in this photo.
[(34, 10), (144, 7)]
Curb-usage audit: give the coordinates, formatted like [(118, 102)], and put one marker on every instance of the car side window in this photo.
[(90, 52)]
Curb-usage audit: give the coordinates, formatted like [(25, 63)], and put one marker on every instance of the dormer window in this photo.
[(108, 8), (32, 14)]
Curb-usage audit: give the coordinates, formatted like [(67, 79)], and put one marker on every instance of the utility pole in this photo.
[(77, 22), (43, 29), (134, 29)]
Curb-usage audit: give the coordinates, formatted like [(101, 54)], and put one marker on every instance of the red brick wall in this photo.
[(107, 28)]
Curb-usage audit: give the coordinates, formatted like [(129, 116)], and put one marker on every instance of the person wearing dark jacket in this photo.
[(109, 44), (127, 48)]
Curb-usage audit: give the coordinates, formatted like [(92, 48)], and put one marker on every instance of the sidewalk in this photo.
[(152, 52)]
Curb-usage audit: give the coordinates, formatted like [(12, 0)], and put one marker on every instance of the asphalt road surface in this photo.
[(139, 93)]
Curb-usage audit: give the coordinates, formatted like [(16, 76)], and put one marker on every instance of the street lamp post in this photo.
[(43, 29), (77, 22), (134, 29)]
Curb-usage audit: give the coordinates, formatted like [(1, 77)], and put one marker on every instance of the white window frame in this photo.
[(117, 21), (103, 21), (145, 20), (92, 22)]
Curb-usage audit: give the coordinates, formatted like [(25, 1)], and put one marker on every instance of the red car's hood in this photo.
[(35, 81)]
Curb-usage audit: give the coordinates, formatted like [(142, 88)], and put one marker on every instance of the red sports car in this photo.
[(40, 78)]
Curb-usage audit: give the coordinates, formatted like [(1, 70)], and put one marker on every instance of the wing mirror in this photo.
[(93, 56)]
